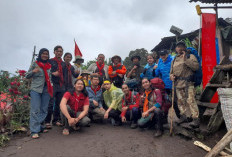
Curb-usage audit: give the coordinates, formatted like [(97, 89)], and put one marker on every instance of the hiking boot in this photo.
[(118, 123), (158, 133), (195, 123), (134, 125), (182, 119)]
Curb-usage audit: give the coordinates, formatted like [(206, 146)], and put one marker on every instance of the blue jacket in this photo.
[(148, 71), (163, 71), (97, 97)]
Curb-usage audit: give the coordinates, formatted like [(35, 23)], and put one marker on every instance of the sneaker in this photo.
[(133, 125), (112, 121), (118, 123), (158, 133)]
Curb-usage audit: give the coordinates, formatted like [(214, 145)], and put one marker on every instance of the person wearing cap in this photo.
[(163, 69), (113, 100), (77, 63), (96, 110), (163, 72), (182, 69), (133, 72), (117, 71), (100, 68), (85, 77)]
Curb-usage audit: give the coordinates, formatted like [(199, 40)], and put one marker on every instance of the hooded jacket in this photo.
[(113, 97)]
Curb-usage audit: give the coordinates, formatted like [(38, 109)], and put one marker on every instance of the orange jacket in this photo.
[(118, 71)]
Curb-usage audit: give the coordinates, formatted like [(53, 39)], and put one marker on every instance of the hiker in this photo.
[(133, 73), (117, 71), (41, 92), (77, 63), (58, 88), (182, 70), (69, 72), (100, 68), (163, 72), (152, 115), (74, 107), (113, 99), (85, 76), (130, 106), (96, 110), (149, 67)]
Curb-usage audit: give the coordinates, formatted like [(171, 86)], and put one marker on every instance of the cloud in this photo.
[(100, 26)]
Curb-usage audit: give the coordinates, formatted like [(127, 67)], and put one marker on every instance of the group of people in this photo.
[(62, 95)]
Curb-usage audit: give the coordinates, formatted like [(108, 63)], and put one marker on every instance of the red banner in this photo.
[(209, 59)]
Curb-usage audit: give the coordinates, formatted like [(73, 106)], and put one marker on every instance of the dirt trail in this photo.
[(102, 141)]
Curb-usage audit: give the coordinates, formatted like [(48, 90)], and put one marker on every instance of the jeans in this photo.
[(39, 109)]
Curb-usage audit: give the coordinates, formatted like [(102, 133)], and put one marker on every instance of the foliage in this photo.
[(14, 108), (3, 139), (140, 52)]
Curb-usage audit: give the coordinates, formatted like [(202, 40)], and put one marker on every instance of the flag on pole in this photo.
[(77, 51)]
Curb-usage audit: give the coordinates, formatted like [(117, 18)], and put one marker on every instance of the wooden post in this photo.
[(221, 144)]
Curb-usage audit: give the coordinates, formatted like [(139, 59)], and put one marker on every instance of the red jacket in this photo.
[(118, 71), (131, 101)]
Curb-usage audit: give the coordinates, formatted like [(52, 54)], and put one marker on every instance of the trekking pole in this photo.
[(172, 109)]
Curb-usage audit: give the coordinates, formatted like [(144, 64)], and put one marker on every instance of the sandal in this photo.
[(35, 136), (44, 130), (65, 132), (58, 123), (48, 126)]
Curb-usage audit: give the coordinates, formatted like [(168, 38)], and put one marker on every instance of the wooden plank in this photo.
[(207, 104)]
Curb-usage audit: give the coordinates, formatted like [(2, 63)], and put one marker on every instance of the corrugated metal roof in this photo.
[(212, 1)]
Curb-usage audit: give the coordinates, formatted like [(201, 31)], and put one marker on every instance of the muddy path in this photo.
[(102, 141)]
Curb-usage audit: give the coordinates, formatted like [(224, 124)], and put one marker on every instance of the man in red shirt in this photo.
[(75, 106)]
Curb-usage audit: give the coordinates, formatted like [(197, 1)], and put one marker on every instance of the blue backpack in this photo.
[(197, 77)]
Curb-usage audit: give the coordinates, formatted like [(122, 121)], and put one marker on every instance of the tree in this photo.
[(138, 52)]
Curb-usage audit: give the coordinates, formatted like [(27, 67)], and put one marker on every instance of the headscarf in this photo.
[(41, 51)]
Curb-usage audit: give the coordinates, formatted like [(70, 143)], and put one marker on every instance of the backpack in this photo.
[(132, 83), (197, 77), (158, 83)]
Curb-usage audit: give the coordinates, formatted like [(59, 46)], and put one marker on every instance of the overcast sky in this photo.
[(99, 26)]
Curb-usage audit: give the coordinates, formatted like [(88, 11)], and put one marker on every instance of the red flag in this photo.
[(208, 48), (77, 51)]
